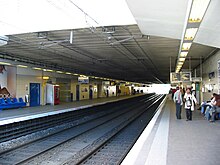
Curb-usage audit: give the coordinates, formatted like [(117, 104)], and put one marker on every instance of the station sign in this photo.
[(180, 77), (196, 79), (105, 83), (83, 80), (185, 76), (174, 77)]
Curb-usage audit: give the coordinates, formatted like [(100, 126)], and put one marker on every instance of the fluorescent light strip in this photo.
[(180, 63), (68, 73), (22, 66), (48, 70), (198, 10), (190, 33), (183, 54), (182, 59), (59, 71), (46, 78), (186, 46), (195, 13), (35, 68), (4, 63)]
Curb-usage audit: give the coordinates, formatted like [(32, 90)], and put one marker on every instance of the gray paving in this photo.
[(195, 142), (12, 113)]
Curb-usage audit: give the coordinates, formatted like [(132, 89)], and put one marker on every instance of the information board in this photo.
[(83, 80), (180, 77)]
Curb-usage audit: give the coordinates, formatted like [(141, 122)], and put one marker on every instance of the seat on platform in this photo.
[(11, 104), (2, 101), (9, 101)]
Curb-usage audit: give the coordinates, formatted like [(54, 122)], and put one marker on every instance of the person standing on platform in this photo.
[(177, 98), (189, 100)]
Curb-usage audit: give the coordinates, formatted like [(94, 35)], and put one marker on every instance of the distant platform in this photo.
[(21, 114)]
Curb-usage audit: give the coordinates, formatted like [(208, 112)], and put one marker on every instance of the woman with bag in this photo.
[(189, 103)]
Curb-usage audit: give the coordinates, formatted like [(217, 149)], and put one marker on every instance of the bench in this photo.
[(11, 103)]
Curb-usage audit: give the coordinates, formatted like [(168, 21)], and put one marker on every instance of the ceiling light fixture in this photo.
[(4, 63), (182, 59), (35, 68), (194, 15), (198, 10), (22, 66), (46, 78), (183, 54), (186, 46), (59, 71), (190, 33), (48, 70)]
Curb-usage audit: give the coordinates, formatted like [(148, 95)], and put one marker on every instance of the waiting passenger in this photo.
[(177, 98), (189, 100), (208, 110), (206, 104), (216, 108)]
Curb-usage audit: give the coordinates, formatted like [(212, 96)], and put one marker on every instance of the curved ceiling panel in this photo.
[(159, 17), (166, 19), (209, 31)]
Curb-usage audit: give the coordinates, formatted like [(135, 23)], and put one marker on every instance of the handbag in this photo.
[(189, 102)]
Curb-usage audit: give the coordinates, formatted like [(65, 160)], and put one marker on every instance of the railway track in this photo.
[(18, 129), (82, 142)]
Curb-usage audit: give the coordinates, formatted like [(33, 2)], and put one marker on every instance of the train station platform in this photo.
[(15, 115), (168, 141)]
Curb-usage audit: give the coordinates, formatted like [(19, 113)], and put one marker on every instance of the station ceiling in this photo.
[(142, 47), (119, 52)]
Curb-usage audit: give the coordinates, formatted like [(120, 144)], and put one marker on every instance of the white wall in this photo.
[(210, 66), (11, 80), (160, 88), (145, 89), (112, 91), (3, 78), (84, 91)]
